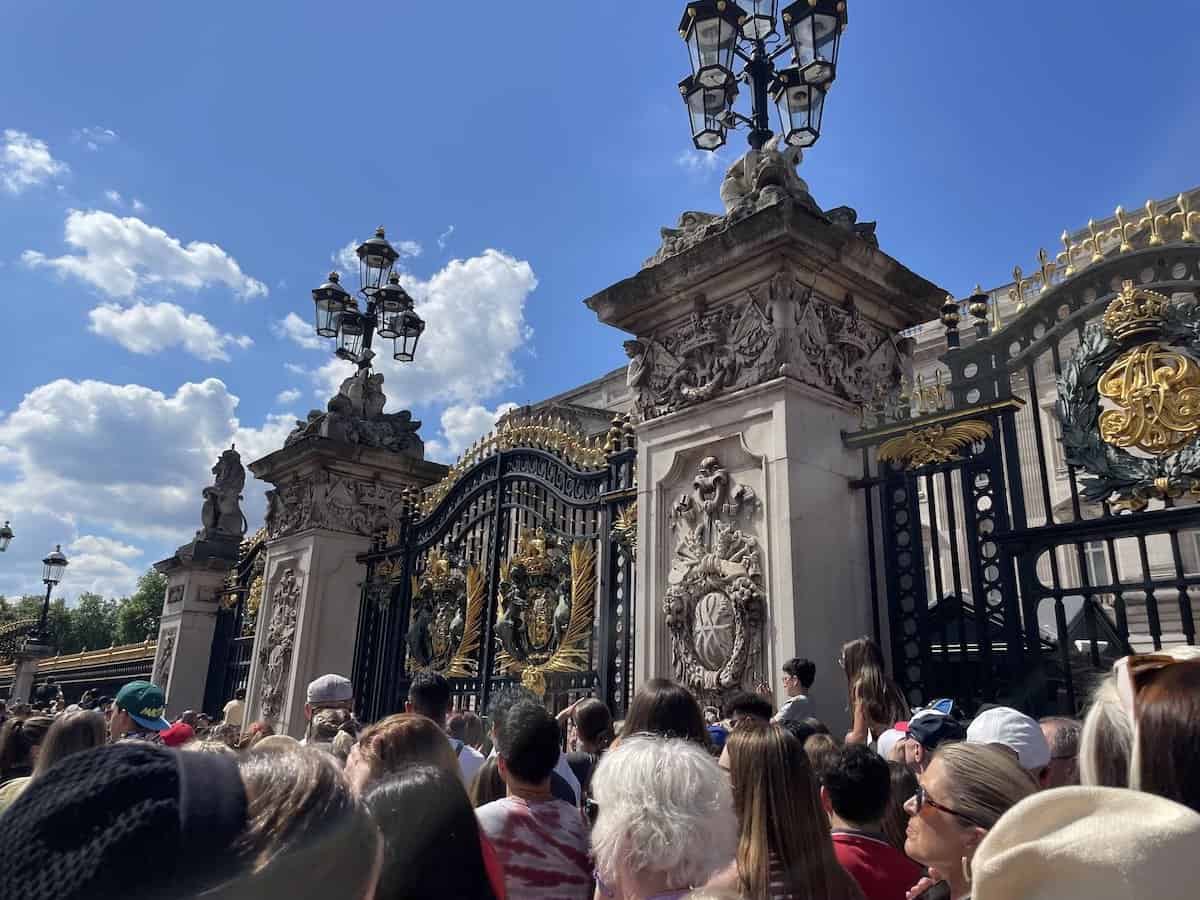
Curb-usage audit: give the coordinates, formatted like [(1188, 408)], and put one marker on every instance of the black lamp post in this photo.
[(52, 572), (716, 31), (389, 309), (6, 536)]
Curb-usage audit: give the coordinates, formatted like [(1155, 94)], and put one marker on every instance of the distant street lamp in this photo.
[(6, 536), (716, 31), (52, 572), (389, 309)]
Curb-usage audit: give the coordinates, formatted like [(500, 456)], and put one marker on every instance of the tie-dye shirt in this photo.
[(543, 846)]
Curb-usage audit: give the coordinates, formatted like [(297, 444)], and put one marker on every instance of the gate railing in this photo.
[(1037, 512), (516, 567)]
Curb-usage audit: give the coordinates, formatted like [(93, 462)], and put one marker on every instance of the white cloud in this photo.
[(462, 425), (115, 474), (114, 197), (408, 248), (700, 162), (26, 161), (95, 137), (293, 328), (296, 369), (103, 546), (151, 328), (474, 311), (138, 205), (444, 237), (122, 254), (287, 397)]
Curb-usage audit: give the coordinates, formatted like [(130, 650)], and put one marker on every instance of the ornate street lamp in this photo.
[(6, 536), (52, 572), (389, 309), (716, 31), (331, 299)]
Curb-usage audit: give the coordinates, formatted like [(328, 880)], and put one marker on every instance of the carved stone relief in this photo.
[(757, 180), (355, 416), (781, 328), (337, 502), (175, 594), (715, 599), (162, 665), (276, 654)]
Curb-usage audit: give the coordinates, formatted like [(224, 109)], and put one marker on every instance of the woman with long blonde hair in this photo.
[(876, 704), (784, 849)]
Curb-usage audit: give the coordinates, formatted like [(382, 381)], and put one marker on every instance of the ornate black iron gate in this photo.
[(518, 566), (233, 634), (1038, 512)]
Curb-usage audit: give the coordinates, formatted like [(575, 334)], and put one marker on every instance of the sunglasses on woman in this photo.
[(922, 799)]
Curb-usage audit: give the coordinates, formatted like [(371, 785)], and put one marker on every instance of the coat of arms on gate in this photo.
[(547, 593), (448, 600), (1129, 401), (715, 599)]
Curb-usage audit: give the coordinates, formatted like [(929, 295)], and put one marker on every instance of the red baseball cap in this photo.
[(177, 735)]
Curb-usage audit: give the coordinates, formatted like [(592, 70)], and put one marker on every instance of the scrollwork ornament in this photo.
[(1154, 391)]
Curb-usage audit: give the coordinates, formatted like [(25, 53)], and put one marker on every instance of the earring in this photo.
[(966, 868)]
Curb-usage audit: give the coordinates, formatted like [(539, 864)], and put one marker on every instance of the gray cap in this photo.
[(330, 689)]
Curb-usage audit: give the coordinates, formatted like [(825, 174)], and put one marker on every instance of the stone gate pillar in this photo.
[(338, 481), (758, 335), (195, 574)]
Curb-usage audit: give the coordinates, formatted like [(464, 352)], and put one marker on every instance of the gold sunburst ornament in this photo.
[(934, 444)]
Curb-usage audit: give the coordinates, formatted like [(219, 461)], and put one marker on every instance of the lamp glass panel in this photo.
[(710, 44), (812, 37)]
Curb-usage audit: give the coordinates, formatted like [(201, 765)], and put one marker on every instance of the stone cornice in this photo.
[(716, 264)]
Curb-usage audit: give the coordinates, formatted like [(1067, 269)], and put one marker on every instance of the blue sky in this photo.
[(174, 179)]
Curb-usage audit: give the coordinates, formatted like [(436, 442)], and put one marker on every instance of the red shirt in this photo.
[(882, 871)]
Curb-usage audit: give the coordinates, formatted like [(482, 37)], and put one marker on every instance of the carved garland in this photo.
[(1154, 387), (276, 652), (162, 668)]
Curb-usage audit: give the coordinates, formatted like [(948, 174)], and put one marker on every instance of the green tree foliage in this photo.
[(137, 616), (94, 622)]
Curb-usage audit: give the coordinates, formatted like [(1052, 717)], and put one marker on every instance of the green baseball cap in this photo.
[(145, 704)]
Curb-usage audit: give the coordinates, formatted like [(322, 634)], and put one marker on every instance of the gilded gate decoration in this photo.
[(1141, 361), (1039, 519), (547, 594), (517, 567), (447, 616)]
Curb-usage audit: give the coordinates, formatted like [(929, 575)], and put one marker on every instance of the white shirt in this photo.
[(235, 710), (470, 761), (793, 708)]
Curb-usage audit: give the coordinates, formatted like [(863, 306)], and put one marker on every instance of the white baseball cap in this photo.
[(1018, 732), (330, 689)]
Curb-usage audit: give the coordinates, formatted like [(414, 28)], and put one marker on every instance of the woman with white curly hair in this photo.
[(665, 819)]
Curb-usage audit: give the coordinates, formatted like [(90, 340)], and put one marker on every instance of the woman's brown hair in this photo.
[(71, 732), (18, 737), (784, 833), (306, 834), (870, 688), (895, 819), (403, 739), (667, 709), (1167, 733)]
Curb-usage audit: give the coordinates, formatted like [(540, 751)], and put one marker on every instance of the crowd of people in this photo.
[(106, 798)]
